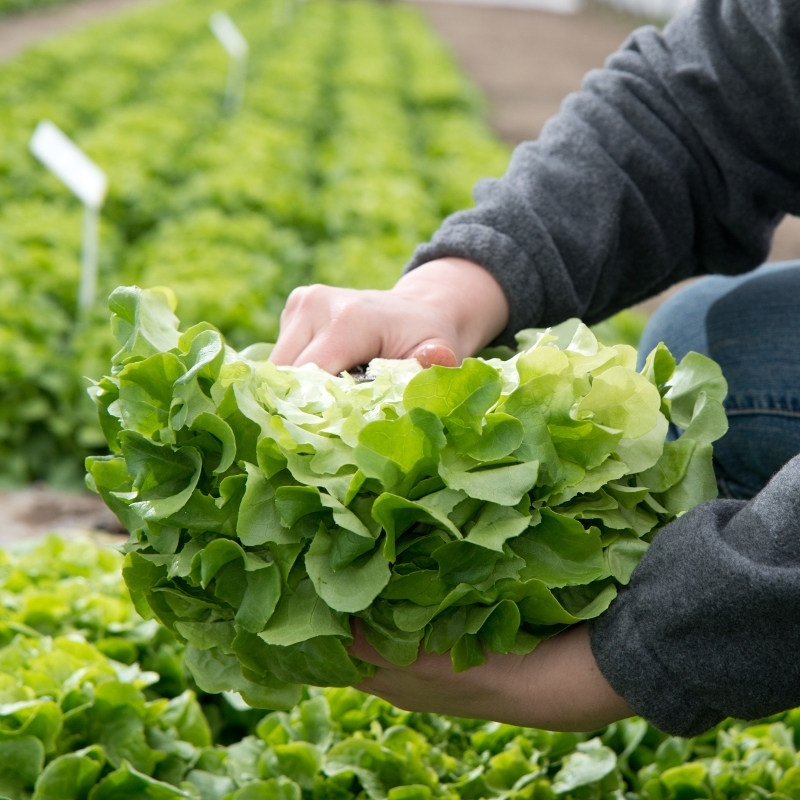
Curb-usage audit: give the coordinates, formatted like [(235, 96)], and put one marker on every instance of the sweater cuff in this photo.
[(502, 258), (640, 679)]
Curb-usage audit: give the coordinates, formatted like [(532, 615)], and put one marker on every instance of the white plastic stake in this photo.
[(91, 233), (230, 37), (88, 183)]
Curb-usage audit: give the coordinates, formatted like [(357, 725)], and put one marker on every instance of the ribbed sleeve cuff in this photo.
[(638, 677)]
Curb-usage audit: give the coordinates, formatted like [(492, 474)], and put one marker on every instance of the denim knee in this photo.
[(753, 333), (750, 325)]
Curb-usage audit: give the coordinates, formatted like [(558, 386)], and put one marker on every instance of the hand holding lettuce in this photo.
[(464, 509)]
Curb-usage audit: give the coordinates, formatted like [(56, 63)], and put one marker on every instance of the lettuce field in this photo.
[(97, 703), (329, 172), (355, 135)]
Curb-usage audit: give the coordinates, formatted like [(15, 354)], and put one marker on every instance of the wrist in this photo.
[(465, 294), (564, 687)]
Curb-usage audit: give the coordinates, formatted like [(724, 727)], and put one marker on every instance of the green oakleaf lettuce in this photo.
[(464, 509)]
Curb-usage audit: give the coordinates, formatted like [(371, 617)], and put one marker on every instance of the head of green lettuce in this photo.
[(464, 509)]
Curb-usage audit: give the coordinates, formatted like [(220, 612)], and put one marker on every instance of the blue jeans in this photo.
[(750, 325)]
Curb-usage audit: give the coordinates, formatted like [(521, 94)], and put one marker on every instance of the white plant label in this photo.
[(69, 164), (230, 37), (88, 183)]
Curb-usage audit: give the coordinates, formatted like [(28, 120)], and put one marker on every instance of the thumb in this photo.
[(431, 354)]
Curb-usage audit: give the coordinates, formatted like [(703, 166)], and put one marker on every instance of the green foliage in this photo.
[(357, 134), (9, 7), (479, 507), (93, 705)]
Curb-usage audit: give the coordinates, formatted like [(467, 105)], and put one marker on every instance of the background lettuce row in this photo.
[(97, 703), (481, 507), (8, 7), (332, 171)]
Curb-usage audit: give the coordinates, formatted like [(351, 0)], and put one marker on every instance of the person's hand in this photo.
[(439, 313), (556, 687)]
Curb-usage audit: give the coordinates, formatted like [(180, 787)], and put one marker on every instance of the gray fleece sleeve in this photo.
[(708, 626), (678, 158)]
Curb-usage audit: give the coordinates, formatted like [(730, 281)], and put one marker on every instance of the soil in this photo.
[(20, 31), (525, 60), (29, 514)]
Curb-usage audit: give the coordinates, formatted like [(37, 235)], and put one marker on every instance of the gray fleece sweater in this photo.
[(677, 159)]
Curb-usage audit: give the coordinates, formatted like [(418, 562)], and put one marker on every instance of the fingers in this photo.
[(413, 687), (296, 329), (327, 326), (362, 649), (338, 329), (430, 314)]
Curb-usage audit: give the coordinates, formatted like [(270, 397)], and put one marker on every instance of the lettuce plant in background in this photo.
[(359, 133), (482, 507), (92, 707)]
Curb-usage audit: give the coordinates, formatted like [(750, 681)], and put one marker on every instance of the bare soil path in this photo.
[(19, 31), (525, 60)]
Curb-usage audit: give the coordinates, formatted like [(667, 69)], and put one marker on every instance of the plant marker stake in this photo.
[(88, 183), (229, 36)]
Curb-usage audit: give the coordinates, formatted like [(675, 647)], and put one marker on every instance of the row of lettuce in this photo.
[(356, 134), (96, 703), (13, 7)]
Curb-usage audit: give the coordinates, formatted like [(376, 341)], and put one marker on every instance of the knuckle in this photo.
[(301, 298)]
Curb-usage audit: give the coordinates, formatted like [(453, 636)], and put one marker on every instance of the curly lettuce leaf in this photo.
[(463, 509)]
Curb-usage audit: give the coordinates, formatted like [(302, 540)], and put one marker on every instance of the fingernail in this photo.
[(436, 354)]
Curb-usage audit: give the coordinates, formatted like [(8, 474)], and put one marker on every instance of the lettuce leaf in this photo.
[(465, 509)]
